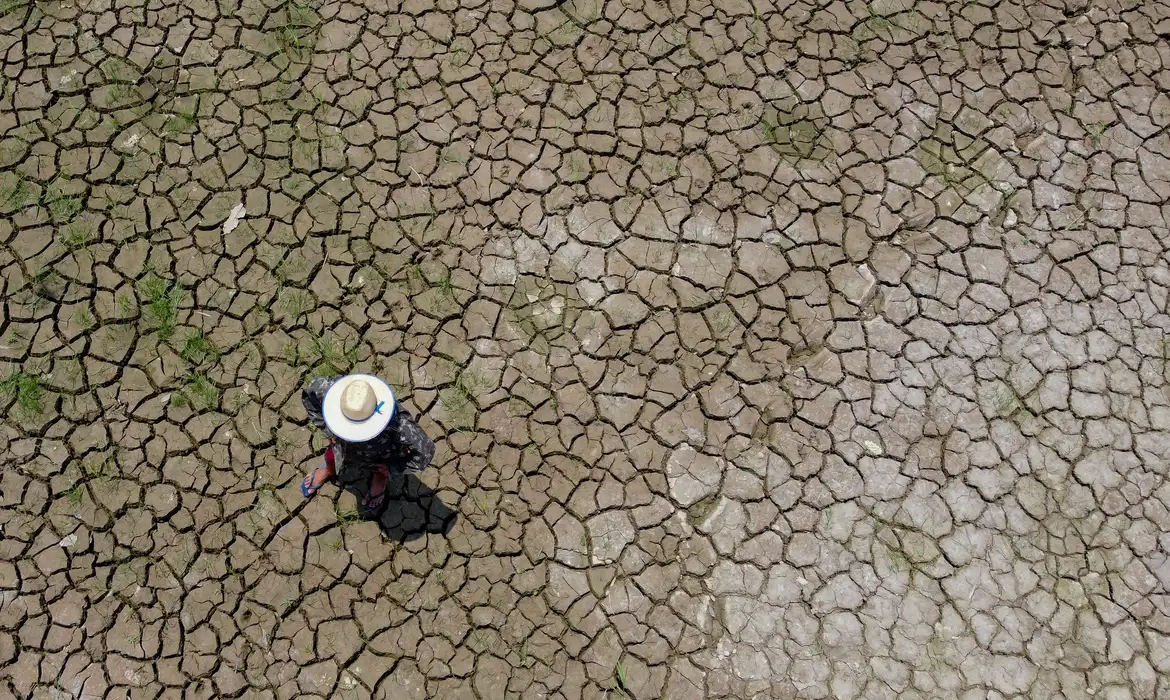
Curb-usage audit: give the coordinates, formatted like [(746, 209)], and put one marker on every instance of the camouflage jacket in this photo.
[(402, 446)]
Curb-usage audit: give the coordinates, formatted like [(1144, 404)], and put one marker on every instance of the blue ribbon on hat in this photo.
[(377, 409)]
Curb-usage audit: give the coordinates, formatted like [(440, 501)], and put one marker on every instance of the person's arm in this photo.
[(418, 449), (313, 397)]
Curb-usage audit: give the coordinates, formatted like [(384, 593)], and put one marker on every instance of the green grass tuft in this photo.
[(198, 348), (18, 193), (75, 236), (8, 7), (63, 208), (161, 303), (294, 301), (26, 390), (334, 357), (75, 495), (200, 392)]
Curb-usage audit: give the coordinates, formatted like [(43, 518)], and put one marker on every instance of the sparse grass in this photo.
[(198, 348), (72, 369), (1005, 403), (99, 465), (18, 193), (478, 638), (796, 132), (458, 58), (75, 495), (75, 236), (619, 672), (120, 88), (161, 304), (125, 304), (522, 653), (1096, 131), (481, 504), (333, 355), (63, 208), (8, 7), (291, 267), (199, 393), (84, 318), (346, 516), (296, 32), (181, 122), (722, 321), (294, 301), (26, 390), (445, 287), (451, 155), (462, 392)]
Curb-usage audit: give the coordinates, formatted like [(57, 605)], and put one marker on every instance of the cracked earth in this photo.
[(772, 350)]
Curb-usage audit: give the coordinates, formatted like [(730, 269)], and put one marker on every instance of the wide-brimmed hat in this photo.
[(358, 407)]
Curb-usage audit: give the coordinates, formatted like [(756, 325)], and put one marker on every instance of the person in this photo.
[(367, 430)]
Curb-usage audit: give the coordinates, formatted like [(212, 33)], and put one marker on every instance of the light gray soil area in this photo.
[(801, 349)]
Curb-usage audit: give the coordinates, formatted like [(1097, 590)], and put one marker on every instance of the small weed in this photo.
[(458, 58), (85, 318), (63, 208), (19, 193), (292, 267), (26, 390), (620, 672), (8, 7), (347, 516), (522, 653), (450, 155), (334, 356), (125, 305), (445, 287), (722, 321), (120, 88), (201, 392), (75, 236), (295, 35), (675, 102), (162, 303), (797, 132), (294, 301), (75, 495), (99, 465), (181, 122), (292, 355), (198, 348), (481, 504), (1096, 131), (466, 387), (72, 369)]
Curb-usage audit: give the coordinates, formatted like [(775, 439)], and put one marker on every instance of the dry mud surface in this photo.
[(772, 350)]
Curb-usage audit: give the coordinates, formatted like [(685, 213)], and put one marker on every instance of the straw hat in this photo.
[(358, 407)]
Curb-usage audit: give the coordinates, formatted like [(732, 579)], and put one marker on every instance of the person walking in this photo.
[(367, 430)]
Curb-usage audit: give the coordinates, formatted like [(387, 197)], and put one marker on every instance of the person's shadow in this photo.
[(410, 510)]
